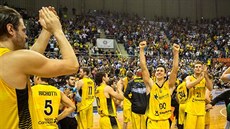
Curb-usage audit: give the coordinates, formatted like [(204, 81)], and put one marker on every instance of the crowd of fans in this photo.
[(200, 40)]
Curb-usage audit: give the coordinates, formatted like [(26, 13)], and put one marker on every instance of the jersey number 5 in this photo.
[(48, 107)]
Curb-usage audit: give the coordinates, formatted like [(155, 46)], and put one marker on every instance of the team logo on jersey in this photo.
[(48, 121)]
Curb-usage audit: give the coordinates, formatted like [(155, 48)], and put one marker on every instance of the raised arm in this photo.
[(173, 74), (145, 72), (42, 42), (226, 75), (36, 64), (43, 39)]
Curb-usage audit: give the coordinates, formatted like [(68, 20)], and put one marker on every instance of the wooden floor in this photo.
[(218, 118)]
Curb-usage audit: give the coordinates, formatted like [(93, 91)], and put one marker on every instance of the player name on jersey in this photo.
[(47, 93)]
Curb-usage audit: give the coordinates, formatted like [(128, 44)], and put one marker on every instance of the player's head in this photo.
[(12, 27), (198, 67), (40, 80), (160, 71), (83, 72), (70, 80), (101, 77)]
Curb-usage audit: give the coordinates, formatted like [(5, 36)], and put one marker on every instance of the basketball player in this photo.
[(182, 96), (136, 94), (195, 105), (105, 96), (15, 62), (126, 102), (47, 100), (86, 88), (159, 109)]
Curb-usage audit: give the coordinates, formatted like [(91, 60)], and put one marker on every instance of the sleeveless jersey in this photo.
[(182, 94), (47, 100), (105, 106), (87, 94), (159, 102), (126, 102), (196, 101), (14, 108)]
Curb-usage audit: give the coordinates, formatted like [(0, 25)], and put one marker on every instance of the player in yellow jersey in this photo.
[(195, 105), (47, 100), (86, 89), (126, 102), (15, 94), (105, 96), (181, 96), (159, 108)]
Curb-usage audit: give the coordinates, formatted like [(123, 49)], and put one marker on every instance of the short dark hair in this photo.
[(68, 76), (98, 77), (162, 66), (8, 15), (85, 69)]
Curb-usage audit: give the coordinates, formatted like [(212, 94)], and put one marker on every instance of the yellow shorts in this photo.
[(194, 122), (181, 116), (85, 118), (157, 124), (126, 110), (207, 118), (109, 122), (138, 121)]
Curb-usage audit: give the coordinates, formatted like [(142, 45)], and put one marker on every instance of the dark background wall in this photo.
[(194, 9)]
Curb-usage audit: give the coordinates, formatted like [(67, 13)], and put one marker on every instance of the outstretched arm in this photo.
[(145, 72), (173, 74)]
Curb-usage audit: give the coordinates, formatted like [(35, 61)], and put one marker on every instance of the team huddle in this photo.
[(146, 101)]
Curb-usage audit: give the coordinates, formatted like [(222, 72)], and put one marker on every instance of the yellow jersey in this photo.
[(87, 94), (195, 104), (126, 102), (14, 108), (182, 94), (47, 100), (159, 102), (105, 106)]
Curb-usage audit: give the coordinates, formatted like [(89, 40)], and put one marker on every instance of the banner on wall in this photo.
[(226, 61), (105, 43), (222, 60)]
